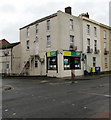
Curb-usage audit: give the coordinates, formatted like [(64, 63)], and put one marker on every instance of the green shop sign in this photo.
[(70, 53), (51, 54)]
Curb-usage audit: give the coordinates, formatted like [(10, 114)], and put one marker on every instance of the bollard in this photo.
[(73, 75)]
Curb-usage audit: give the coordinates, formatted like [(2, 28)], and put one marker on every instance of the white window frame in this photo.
[(88, 42), (28, 44), (71, 24), (27, 31), (95, 44), (36, 28), (95, 31), (104, 34), (72, 39), (48, 41), (105, 62), (88, 29), (48, 25), (105, 45)]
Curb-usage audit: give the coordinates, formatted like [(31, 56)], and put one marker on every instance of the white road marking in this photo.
[(105, 95)]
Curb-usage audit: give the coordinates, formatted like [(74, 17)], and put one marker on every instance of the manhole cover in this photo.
[(6, 87)]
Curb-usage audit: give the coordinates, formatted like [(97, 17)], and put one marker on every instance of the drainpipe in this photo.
[(83, 62), (11, 60)]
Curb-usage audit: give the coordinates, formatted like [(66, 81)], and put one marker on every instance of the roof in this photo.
[(4, 42), (97, 23), (40, 20), (7, 46)]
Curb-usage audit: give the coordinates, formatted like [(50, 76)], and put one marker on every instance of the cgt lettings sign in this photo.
[(52, 54), (66, 53), (71, 53)]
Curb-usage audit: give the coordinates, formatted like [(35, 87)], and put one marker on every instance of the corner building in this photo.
[(52, 46), (59, 43)]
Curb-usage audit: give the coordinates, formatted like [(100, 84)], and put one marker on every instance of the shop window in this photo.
[(72, 63), (66, 63), (52, 63), (77, 63)]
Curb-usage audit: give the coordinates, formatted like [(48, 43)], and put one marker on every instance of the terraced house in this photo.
[(105, 37), (9, 58), (91, 43), (59, 43)]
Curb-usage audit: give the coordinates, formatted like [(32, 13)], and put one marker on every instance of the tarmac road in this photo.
[(56, 98)]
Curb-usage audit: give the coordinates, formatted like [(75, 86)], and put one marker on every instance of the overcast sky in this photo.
[(15, 14)]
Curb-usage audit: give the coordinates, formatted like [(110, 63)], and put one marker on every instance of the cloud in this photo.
[(18, 13), (7, 8)]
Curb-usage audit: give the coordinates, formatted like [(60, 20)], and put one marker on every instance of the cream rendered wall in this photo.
[(64, 38), (60, 39), (0, 61), (107, 40), (92, 37), (42, 38), (109, 50), (16, 59), (5, 60)]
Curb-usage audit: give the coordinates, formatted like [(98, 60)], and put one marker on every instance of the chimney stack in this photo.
[(84, 15), (68, 10)]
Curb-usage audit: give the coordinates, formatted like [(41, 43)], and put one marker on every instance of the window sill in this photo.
[(49, 46), (27, 50)]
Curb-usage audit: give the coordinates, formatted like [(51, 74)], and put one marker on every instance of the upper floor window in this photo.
[(105, 45), (27, 44), (71, 24), (104, 34), (95, 45), (28, 32), (36, 28), (7, 65), (95, 31), (88, 42), (106, 63), (110, 35), (71, 39), (48, 25), (6, 53), (36, 40), (48, 41), (88, 29)]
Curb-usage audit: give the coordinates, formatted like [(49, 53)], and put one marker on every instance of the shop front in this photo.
[(51, 62), (60, 65), (72, 60)]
